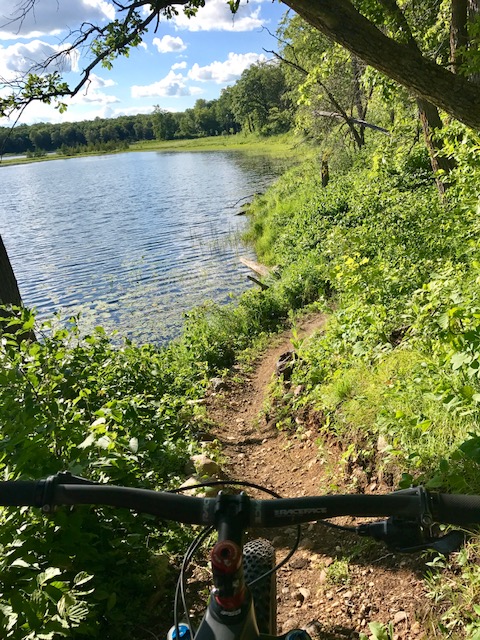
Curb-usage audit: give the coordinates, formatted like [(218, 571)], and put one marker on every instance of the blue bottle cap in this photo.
[(184, 632)]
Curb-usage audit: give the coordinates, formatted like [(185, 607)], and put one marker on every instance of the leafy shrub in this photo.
[(116, 415)]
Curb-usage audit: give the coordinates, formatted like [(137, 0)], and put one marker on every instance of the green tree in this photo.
[(164, 124), (205, 117), (224, 112), (40, 135), (258, 96), (324, 79)]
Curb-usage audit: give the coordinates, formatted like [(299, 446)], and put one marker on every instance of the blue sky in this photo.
[(183, 61)]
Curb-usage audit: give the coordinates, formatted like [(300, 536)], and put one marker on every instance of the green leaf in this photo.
[(459, 359), (112, 601), (82, 578), (20, 563), (47, 575), (98, 422), (104, 442), (88, 442)]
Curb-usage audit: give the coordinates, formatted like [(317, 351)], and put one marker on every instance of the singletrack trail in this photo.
[(336, 583)]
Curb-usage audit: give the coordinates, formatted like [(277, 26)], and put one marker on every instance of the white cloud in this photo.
[(216, 16), (94, 98), (50, 17), (38, 112), (92, 92), (18, 59), (228, 71), (179, 65), (168, 44), (96, 82), (174, 85)]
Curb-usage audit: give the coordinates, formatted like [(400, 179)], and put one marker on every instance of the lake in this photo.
[(130, 241)]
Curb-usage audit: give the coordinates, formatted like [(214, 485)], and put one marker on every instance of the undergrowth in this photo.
[(395, 375)]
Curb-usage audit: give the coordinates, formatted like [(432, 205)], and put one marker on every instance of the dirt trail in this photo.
[(336, 583)]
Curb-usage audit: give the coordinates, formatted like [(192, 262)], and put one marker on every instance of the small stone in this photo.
[(415, 628), (314, 629), (299, 563), (307, 543), (382, 444), (322, 578), (218, 384), (305, 593), (400, 616), (290, 624), (204, 465)]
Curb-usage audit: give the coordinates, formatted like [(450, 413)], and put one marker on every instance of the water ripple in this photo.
[(131, 241)]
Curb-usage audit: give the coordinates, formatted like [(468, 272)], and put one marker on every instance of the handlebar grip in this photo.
[(456, 509), (21, 493)]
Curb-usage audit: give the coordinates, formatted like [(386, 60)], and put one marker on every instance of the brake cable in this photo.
[(180, 590)]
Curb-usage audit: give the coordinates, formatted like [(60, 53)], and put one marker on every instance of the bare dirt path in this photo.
[(336, 584)]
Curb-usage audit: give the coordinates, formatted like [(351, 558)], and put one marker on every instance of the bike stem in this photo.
[(230, 613), (232, 516)]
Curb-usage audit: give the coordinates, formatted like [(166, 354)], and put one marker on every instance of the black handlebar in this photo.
[(65, 489)]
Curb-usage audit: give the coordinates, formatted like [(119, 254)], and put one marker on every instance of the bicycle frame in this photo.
[(230, 613)]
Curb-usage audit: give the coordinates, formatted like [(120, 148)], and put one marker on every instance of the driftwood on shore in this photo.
[(260, 269)]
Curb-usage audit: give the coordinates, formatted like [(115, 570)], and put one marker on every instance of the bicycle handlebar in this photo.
[(65, 489)]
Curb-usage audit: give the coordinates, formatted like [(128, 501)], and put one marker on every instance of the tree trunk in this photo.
[(10, 295), (358, 95), (458, 32), (431, 122), (9, 291), (325, 173), (340, 21)]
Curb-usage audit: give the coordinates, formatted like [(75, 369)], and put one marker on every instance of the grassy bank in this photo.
[(394, 380), (399, 359)]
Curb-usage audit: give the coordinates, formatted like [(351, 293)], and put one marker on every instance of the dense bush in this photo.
[(110, 414), (400, 356)]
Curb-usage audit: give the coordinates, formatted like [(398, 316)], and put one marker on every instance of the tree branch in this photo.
[(362, 123), (49, 88), (340, 21), (331, 97)]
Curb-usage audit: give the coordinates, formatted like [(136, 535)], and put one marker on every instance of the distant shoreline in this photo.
[(283, 146)]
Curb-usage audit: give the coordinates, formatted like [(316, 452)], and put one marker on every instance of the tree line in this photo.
[(258, 102)]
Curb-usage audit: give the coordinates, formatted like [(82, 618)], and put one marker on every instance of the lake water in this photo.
[(131, 241)]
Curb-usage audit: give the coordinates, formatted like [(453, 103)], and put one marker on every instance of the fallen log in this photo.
[(258, 268)]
